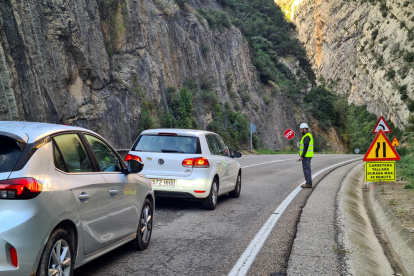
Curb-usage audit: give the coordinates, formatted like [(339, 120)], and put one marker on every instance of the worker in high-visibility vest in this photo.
[(306, 154)]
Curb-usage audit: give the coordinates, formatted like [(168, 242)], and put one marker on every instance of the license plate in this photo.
[(163, 182)]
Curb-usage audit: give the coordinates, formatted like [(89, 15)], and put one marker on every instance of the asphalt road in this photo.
[(188, 240)]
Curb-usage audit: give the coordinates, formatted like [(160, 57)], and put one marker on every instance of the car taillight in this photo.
[(188, 163), (130, 156), (13, 257), (199, 162), (20, 188)]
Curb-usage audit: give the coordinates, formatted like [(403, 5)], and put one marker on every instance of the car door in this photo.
[(230, 164), (124, 208), (214, 147), (226, 162), (75, 167)]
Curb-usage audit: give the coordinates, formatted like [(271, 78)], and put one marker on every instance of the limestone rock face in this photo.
[(81, 63), (359, 49)]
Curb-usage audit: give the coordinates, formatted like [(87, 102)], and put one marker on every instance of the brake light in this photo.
[(13, 257), (188, 163), (199, 192), (130, 156), (167, 134), (199, 162), (20, 188)]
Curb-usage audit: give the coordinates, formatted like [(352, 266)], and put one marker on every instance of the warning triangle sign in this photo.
[(395, 142), (381, 149), (381, 125)]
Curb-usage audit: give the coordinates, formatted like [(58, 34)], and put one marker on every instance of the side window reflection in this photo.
[(73, 153), (108, 161)]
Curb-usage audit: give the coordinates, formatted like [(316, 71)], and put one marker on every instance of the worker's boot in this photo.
[(306, 186)]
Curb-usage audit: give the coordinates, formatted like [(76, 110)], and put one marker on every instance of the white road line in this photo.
[(246, 259), (269, 162)]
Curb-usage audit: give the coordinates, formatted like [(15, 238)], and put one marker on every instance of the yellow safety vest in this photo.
[(309, 152)]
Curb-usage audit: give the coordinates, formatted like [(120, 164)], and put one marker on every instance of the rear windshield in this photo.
[(9, 154), (167, 144)]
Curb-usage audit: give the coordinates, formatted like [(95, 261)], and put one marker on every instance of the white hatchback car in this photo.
[(191, 164)]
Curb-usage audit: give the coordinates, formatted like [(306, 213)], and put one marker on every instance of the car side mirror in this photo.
[(134, 166), (237, 154)]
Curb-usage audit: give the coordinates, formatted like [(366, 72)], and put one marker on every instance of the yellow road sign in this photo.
[(380, 171), (395, 142), (381, 149)]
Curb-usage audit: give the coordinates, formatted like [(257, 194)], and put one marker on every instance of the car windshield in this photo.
[(9, 153), (167, 144)]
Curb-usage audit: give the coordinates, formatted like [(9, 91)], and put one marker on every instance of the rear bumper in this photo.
[(22, 228), (182, 195), (184, 188)]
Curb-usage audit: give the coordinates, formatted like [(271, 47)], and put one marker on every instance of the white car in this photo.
[(191, 164)]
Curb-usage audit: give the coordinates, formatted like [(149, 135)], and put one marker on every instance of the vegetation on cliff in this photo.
[(270, 36)]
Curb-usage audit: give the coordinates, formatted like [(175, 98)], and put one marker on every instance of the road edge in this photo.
[(360, 247), (398, 241)]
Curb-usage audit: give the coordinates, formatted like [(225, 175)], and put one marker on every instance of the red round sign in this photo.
[(289, 134)]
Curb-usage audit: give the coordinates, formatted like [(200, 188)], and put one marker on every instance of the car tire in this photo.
[(59, 245), (237, 189), (144, 230), (210, 202)]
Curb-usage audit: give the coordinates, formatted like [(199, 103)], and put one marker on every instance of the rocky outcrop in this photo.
[(360, 49), (95, 64)]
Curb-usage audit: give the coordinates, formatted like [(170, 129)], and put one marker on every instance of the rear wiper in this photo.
[(167, 150)]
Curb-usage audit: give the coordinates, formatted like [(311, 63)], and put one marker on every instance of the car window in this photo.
[(224, 149), (9, 153), (168, 144), (213, 144), (107, 159), (73, 153), (58, 159)]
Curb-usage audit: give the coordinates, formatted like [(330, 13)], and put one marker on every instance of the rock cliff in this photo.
[(363, 49), (95, 63)]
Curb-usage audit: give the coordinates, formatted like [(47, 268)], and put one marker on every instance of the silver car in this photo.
[(66, 198)]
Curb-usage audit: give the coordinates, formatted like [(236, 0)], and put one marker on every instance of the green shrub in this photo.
[(406, 3), (217, 19), (409, 57), (390, 74), (374, 34), (409, 186), (229, 81), (181, 3), (320, 143), (204, 49), (210, 98), (146, 121), (402, 151), (410, 106), (403, 92)]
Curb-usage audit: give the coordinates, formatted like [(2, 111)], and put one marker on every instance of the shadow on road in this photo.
[(166, 210)]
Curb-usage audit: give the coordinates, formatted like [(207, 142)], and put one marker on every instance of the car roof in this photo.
[(191, 132), (35, 131)]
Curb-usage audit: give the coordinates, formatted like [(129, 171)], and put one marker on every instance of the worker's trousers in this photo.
[(306, 164)]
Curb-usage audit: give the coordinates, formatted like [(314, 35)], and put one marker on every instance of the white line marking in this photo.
[(246, 259), (269, 162)]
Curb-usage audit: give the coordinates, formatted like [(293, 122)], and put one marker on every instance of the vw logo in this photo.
[(160, 161)]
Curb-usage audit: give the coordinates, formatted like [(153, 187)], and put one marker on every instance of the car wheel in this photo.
[(210, 202), (237, 189), (144, 227), (58, 257)]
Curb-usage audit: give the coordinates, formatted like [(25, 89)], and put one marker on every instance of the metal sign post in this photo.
[(252, 128)]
